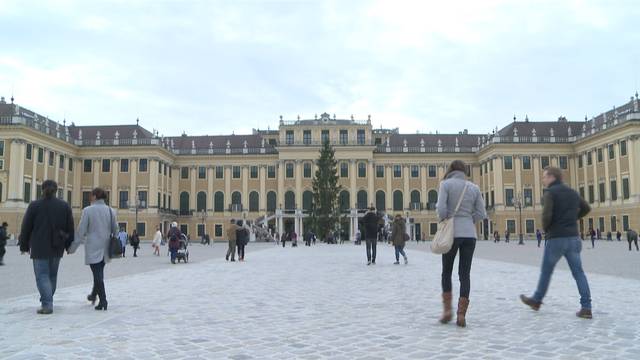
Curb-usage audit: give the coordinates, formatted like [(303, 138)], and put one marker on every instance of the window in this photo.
[(599, 152), (486, 168), (142, 229), (623, 148), (508, 162), (493, 198), (601, 192), (27, 192), (508, 196), (625, 188), (184, 228), (544, 161), (564, 162), (360, 137), (415, 171), (29, 151), (159, 199), (611, 151), (201, 201), (344, 169), (397, 200), (70, 164), (307, 170), (124, 200), (362, 170), (51, 157), (142, 199), (160, 167), (218, 202), (202, 172), (528, 196), (581, 191), (614, 190), (380, 171), (200, 231), (106, 201), (184, 204), (87, 165), (397, 171), (271, 201), (217, 230), (601, 223), (254, 201), (253, 171), (61, 162), (289, 137), (235, 172), (69, 196), (344, 137), (433, 228), (144, 164), (288, 170), (306, 137), (324, 136), (579, 161), (271, 172), (490, 165), (589, 158), (511, 226), (526, 162), (170, 172), (219, 172), (625, 222), (614, 223), (307, 200), (106, 165), (378, 141), (38, 191), (273, 142), (169, 202), (165, 169), (529, 226), (467, 170), (591, 194), (381, 201), (361, 199), (164, 201), (124, 165), (432, 171), (184, 172), (86, 199)]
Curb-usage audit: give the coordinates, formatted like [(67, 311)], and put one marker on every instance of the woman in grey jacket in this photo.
[(471, 211), (97, 223)]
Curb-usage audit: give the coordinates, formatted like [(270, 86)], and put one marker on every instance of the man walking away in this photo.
[(231, 235), (593, 238), (538, 236), (632, 236), (370, 222), (3, 241), (618, 235), (122, 236), (562, 209)]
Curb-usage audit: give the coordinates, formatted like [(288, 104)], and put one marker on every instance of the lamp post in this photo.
[(138, 204), (203, 216), (519, 203)]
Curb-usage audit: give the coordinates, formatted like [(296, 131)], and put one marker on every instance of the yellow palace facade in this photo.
[(265, 177)]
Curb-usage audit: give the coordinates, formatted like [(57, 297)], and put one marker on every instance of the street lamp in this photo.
[(519, 203), (138, 204)]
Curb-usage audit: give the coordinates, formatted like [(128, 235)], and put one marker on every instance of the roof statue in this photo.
[(117, 135)]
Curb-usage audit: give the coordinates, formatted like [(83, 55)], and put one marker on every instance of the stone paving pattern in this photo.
[(324, 303)]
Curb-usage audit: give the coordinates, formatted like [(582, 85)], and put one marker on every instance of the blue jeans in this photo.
[(400, 250), (46, 272), (570, 248)]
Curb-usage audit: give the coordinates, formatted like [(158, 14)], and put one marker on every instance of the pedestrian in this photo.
[(231, 237), (135, 242), (294, 238), (3, 241), (454, 190), (242, 238), (399, 237), (609, 238), (157, 241), (276, 237), (592, 233), (307, 238), (598, 234), (496, 236), (123, 236), (618, 235), (370, 227), (174, 236), (506, 236), (632, 236), (561, 210), (538, 236), (313, 238), (47, 230)]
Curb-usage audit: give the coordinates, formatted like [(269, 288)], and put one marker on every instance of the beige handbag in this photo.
[(443, 240)]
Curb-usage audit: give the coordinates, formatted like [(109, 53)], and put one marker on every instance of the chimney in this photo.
[(2, 100)]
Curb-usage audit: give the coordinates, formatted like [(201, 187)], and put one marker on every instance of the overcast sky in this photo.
[(213, 67)]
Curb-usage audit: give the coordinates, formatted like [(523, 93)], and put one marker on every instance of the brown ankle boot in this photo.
[(447, 314), (463, 305)]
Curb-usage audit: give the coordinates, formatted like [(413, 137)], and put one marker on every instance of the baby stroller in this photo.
[(183, 252)]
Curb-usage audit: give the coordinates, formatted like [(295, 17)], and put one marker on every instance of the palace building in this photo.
[(265, 177)]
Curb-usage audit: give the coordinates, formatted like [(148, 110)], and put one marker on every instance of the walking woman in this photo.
[(135, 242), (157, 241), (97, 224), (399, 237), (453, 188)]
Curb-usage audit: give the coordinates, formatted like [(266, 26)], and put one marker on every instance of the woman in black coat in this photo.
[(135, 242)]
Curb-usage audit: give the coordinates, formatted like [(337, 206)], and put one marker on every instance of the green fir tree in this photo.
[(325, 212)]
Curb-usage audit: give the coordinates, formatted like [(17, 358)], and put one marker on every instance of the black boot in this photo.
[(102, 305)]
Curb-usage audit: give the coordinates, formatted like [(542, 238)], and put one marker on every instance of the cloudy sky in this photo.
[(213, 67)]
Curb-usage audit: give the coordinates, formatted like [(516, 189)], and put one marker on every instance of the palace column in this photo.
[(298, 175), (97, 169), (114, 181), (227, 187), (76, 193), (371, 197), (607, 176), (388, 173), (596, 200), (133, 189), (405, 188), (193, 194), (423, 185), (15, 189), (210, 199), (45, 168), (280, 195), (35, 172), (352, 182), (518, 170), (573, 166), (56, 170), (537, 186), (633, 148), (497, 179), (262, 173), (245, 187), (618, 174), (152, 197)]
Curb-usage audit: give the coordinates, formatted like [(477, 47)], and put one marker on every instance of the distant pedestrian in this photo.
[(507, 235), (370, 224), (294, 238), (123, 236), (454, 189), (242, 238), (97, 226), (496, 236), (3, 241), (561, 211), (307, 238), (313, 238), (399, 237), (135, 242), (174, 236), (592, 233), (47, 230), (539, 237), (231, 237), (598, 234), (157, 241), (618, 235), (609, 238), (632, 236)]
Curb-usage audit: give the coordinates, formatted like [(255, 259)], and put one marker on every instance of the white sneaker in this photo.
[(406, 261)]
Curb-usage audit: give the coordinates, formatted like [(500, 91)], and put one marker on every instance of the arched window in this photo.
[(289, 200), (201, 203), (432, 199), (184, 203), (415, 200), (307, 200), (397, 200), (361, 199), (254, 201), (218, 201), (271, 201), (236, 201), (344, 200), (381, 200)]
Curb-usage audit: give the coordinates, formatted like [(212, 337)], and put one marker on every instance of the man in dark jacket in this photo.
[(562, 209), (3, 241), (242, 238), (632, 236), (47, 230), (370, 224)]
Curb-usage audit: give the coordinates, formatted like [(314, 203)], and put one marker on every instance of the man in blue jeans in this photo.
[(562, 209)]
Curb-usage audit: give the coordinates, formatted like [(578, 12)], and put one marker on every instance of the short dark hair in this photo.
[(239, 222), (99, 193), (49, 188), (372, 208), (554, 171), (456, 165), (233, 221), (4, 224)]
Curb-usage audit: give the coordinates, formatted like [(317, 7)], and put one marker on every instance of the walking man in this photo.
[(618, 235), (562, 209), (370, 223), (538, 236), (231, 235), (632, 236), (3, 241), (593, 238), (122, 236)]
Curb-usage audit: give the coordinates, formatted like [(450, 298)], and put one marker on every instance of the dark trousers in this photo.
[(241, 251), (98, 281), (539, 241), (124, 248), (174, 254), (466, 247), (2, 252), (371, 249), (283, 243), (593, 242), (135, 251), (634, 241)]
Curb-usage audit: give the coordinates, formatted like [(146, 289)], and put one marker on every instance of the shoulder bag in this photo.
[(115, 247), (443, 239)]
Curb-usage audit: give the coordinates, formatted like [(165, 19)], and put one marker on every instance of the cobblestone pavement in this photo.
[(321, 303)]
